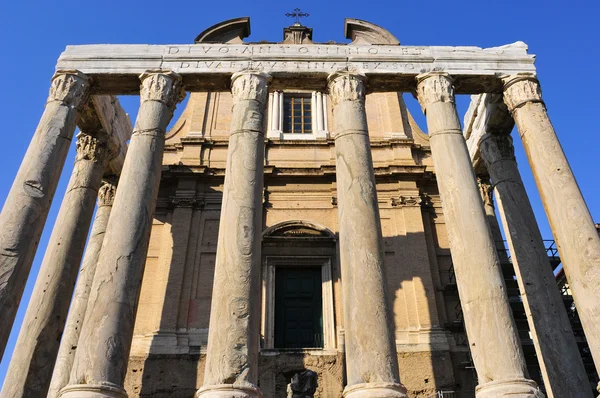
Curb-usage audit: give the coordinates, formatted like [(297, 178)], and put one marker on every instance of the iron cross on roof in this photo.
[(297, 14)]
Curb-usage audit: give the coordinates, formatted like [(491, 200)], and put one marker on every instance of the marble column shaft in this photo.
[(31, 366), (555, 345), (70, 338), (572, 225), (371, 358), (487, 195), (26, 208), (102, 354), (490, 327), (233, 334)]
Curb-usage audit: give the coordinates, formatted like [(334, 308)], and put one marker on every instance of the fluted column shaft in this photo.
[(102, 354), (70, 338), (233, 335), (371, 358), (572, 225), (491, 330), (31, 367), (555, 345), (26, 208)]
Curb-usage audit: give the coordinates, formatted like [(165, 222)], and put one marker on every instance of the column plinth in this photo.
[(105, 340), (371, 359), (491, 330), (43, 325), (26, 208), (229, 391), (576, 237), (517, 388), (233, 334), (70, 338)]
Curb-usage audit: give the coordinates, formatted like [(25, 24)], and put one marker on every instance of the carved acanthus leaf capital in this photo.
[(162, 86), (250, 85), (495, 147), (434, 87), (106, 193), (520, 89), (91, 148), (347, 86), (71, 87), (487, 190)]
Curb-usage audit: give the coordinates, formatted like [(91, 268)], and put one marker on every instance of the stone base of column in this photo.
[(107, 390), (229, 391), (515, 388), (375, 390)]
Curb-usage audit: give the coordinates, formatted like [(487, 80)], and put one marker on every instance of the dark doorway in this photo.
[(298, 308)]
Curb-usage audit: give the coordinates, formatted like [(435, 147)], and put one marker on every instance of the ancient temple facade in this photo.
[(296, 233)]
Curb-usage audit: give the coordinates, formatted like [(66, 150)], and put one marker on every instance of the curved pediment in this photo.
[(232, 31), (298, 229), (363, 32)]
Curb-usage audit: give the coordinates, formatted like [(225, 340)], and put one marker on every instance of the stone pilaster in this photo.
[(371, 359), (490, 327), (26, 208), (102, 354), (31, 366), (70, 338), (572, 225), (556, 348), (232, 352)]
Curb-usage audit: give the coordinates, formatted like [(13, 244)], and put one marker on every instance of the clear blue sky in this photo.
[(563, 35)]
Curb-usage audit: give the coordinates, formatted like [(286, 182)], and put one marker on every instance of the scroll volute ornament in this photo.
[(434, 87), (347, 86), (70, 87), (520, 89)]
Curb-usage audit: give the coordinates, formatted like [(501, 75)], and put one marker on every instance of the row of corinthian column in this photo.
[(102, 316)]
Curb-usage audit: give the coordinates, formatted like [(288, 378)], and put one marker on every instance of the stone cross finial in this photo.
[(297, 14)]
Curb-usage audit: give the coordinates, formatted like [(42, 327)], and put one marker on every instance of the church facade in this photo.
[(296, 233)]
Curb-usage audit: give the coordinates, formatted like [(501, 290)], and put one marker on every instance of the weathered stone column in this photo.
[(576, 237), (493, 338), (555, 345), (233, 334), (31, 366), (26, 208), (102, 353), (68, 343), (371, 359), (487, 195)]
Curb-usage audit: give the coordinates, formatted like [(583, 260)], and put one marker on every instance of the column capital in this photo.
[(495, 147), (106, 193), (346, 86), (70, 87), (163, 86), (434, 87), (520, 89), (486, 189), (250, 85), (91, 148)]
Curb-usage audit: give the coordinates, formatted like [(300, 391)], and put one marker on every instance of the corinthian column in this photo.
[(493, 338), (555, 345), (576, 236), (31, 366), (68, 343), (371, 359), (102, 353), (26, 208), (233, 334)]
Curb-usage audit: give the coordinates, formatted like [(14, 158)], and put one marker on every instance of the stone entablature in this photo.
[(116, 67)]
